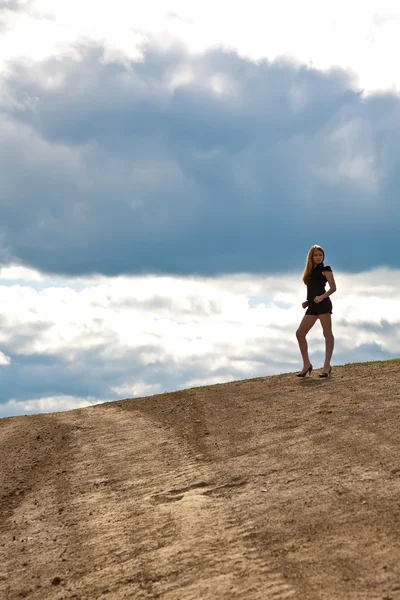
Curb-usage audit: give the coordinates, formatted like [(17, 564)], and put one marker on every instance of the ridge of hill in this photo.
[(268, 488)]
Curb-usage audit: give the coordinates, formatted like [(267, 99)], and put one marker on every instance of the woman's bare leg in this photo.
[(307, 322), (326, 322)]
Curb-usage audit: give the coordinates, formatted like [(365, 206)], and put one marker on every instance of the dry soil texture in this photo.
[(266, 489)]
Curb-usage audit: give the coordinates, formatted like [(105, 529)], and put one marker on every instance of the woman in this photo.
[(319, 306)]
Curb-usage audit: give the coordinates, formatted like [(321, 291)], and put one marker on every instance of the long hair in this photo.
[(308, 269)]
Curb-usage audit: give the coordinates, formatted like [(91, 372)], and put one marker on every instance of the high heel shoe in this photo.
[(309, 371), (326, 374)]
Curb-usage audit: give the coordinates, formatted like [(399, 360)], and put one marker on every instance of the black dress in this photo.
[(316, 287)]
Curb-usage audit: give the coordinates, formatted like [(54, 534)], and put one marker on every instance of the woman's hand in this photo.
[(318, 299), (305, 304)]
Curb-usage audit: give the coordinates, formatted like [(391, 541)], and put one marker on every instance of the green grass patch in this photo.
[(373, 362)]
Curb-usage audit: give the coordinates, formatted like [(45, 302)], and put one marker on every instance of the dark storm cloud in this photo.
[(181, 164)]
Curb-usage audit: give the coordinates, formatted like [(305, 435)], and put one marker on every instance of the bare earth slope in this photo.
[(270, 488)]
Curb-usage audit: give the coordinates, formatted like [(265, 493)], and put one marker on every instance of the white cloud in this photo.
[(136, 390), (156, 334), (181, 317), (4, 359), (44, 405), (361, 36), (11, 273)]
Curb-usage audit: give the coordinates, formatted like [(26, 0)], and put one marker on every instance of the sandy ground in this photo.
[(270, 488)]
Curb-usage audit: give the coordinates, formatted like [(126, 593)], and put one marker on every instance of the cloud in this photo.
[(4, 359), (193, 164), (14, 5), (9, 9), (17, 273), (359, 35), (44, 405), (101, 339)]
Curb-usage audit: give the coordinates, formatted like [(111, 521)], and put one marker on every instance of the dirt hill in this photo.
[(270, 488)]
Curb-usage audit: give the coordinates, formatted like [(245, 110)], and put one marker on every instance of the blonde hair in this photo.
[(308, 269)]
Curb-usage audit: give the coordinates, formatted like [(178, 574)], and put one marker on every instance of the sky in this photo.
[(165, 169)]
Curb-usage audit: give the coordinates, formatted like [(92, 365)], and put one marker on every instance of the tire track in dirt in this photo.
[(246, 573), (141, 518), (38, 451), (118, 464), (28, 441), (201, 504), (113, 465)]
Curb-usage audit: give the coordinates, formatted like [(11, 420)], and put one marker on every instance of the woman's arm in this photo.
[(332, 286)]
